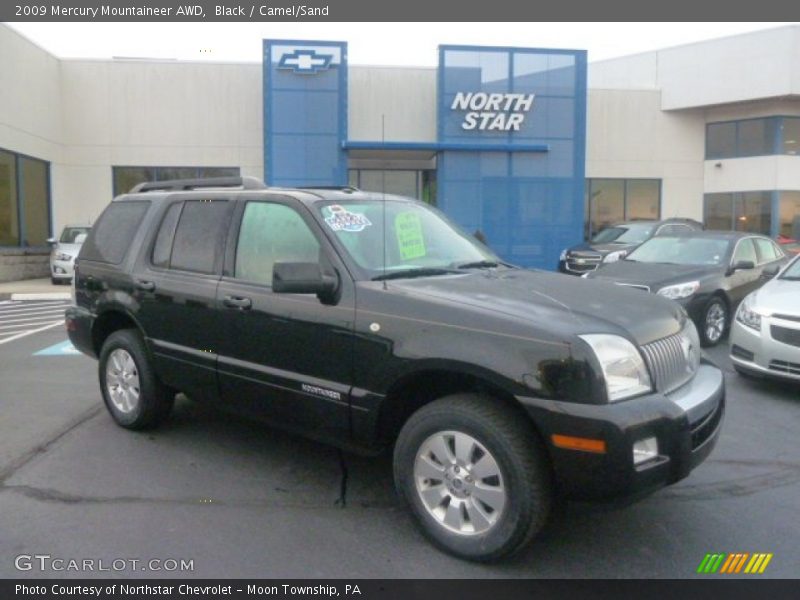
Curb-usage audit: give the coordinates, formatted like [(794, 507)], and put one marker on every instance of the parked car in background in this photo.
[(708, 273), (64, 252), (765, 336), (789, 245), (617, 241)]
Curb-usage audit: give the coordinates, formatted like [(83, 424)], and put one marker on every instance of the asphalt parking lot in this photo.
[(242, 500)]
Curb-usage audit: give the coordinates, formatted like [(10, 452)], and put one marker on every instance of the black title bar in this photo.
[(392, 10)]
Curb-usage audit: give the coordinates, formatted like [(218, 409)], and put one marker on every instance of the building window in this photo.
[(127, 177), (24, 200), (790, 132), (411, 183), (739, 211), (789, 211), (753, 137), (610, 201)]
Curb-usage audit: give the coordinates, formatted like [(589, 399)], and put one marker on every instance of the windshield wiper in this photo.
[(417, 272), (482, 264)]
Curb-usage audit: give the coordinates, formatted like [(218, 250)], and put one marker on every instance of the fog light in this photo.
[(645, 450), (59, 270)]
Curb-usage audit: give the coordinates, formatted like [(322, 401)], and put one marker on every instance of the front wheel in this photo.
[(474, 475), (132, 393), (715, 322)]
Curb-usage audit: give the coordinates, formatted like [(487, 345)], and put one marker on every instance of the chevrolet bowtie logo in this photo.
[(305, 61)]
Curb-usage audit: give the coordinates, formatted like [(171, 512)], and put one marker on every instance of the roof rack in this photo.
[(174, 185), (340, 188)]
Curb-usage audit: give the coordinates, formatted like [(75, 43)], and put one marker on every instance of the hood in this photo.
[(601, 249), (71, 249), (563, 305), (779, 296), (653, 275)]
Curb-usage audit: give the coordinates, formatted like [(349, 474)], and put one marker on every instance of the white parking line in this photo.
[(31, 314), (50, 316), (30, 311), (18, 326), (17, 306), (30, 332), (43, 296)]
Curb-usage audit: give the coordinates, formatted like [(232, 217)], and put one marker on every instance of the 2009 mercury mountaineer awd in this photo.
[(371, 322)]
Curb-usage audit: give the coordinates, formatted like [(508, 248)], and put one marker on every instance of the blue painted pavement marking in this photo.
[(61, 349)]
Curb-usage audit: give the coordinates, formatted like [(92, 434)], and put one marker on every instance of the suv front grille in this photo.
[(785, 335), (583, 263), (668, 362)]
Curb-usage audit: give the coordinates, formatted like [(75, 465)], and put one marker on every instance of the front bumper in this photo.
[(62, 269), (759, 353), (686, 423)]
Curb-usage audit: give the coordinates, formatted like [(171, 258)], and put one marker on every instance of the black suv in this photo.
[(615, 242), (371, 322)]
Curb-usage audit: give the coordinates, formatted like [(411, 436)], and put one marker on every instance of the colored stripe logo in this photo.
[(737, 562)]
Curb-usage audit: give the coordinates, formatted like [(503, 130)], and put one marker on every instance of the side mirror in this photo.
[(743, 265), (51, 241), (302, 278)]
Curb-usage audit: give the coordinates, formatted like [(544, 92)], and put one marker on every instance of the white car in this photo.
[(765, 336), (65, 251)]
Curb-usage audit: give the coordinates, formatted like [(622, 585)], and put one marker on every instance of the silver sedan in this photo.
[(765, 336)]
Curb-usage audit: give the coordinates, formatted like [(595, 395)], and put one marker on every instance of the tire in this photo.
[(483, 527), (55, 281), (714, 322), (132, 393)]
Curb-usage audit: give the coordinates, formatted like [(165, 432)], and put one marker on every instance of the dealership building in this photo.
[(531, 146)]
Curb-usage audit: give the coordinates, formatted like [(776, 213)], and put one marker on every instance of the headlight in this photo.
[(679, 290), (563, 256), (748, 315), (62, 256), (623, 367), (615, 256)]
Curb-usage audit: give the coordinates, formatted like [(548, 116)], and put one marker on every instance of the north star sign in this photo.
[(493, 112)]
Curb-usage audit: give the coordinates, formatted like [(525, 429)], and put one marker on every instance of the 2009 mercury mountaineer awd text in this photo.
[(372, 322)]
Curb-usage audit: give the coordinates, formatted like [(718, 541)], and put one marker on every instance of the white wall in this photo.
[(30, 96), (406, 97), (127, 113), (629, 136), (740, 68)]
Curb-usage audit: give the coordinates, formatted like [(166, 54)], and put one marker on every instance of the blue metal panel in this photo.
[(529, 205), (305, 112)]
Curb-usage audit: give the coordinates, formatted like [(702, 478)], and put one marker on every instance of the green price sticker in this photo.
[(410, 241)]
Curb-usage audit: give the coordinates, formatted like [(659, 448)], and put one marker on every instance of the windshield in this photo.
[(682, 251), (417, 237), (632, 233), (70, 233), (792, 273)]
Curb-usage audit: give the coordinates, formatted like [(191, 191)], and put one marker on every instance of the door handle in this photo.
[(237, 302), (147, 286)]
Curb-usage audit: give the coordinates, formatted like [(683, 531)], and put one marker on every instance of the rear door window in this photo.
[(162, 249), (111, 237), (766, 250), (197, 245)]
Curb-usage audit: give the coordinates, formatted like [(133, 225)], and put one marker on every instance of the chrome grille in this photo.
[(667, 358)]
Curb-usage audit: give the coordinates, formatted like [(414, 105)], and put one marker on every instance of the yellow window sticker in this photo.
[(410, 241)]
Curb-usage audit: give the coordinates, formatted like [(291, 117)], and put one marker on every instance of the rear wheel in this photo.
[(132, 393), (474, 475), (715, 321)]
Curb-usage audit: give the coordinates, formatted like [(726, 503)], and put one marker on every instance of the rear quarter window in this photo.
[(111, 237)]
